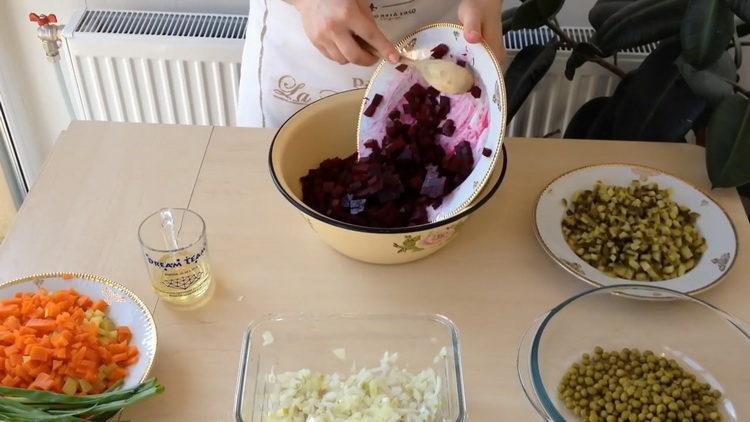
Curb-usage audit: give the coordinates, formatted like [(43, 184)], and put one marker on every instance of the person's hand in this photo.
[(481, 21), (332, 25)]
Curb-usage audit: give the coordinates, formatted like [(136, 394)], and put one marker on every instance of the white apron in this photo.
[(282, 71)]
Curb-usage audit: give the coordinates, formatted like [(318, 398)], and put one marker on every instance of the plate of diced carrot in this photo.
[(73, 334)]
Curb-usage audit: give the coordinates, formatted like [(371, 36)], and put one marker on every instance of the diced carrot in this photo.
[(120, 357), (58, 340), (8, 381), (84, 301), (7, 338), (120, 347), (46, 337), (39, 353), (42, 382), (124, 334), (8, 310), (51, 310), (40, 324), (118, 374), (99, 305), (12, 322)]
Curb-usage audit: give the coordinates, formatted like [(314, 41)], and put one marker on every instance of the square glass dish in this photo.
[(345, 345)]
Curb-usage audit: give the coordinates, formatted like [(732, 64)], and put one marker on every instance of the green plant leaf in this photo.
[(639, 23), (507, 19), (526, 70), (601, 128), (740, 8), (728, 143), (579, 125), (603, 9), (581, 53), (710, 83), (706, 30), (657, 104), (535, 13)]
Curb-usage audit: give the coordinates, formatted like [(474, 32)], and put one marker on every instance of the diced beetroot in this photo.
[(373, 145), (373, 106), (417, 89), (406, 172), (461, 63), (486, 152), (440, 51), (402, 67), (444, 107), (433, 185), (357, 206), (476, 91), (392, 130), (449, 127)]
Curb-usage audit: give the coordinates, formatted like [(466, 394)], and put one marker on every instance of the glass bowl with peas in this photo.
[(602, 356)]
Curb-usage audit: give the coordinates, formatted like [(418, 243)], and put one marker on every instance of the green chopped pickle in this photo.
[(634, 232), (630, 385)]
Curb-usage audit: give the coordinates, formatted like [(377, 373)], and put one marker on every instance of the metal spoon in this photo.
[(445, 76)]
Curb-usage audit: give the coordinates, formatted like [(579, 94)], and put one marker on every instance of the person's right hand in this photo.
[(332, 25)]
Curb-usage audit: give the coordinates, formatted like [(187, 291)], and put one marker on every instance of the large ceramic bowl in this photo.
[(327, 128), (704, 340)]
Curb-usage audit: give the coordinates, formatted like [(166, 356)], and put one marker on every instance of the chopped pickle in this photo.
[(634, 232), (70, 387), (85, 386)]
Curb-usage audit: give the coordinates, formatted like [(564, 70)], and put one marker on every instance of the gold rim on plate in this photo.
[(107, 282), (503, 107), (583, 277)]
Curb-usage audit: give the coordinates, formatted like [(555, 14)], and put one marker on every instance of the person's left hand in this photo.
[(482, 22)]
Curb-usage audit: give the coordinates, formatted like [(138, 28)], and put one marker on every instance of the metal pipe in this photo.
[(49, 34)]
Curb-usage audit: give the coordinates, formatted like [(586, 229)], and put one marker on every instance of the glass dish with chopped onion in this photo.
[(297, 367)]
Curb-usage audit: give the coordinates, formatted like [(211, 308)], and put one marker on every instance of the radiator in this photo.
[(130, 66), (183, 68)]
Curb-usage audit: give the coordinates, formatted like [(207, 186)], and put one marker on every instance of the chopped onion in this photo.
[(340, 353), (387, 393), (267, 338)]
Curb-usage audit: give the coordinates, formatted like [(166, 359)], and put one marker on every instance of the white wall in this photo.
[(28, 82)]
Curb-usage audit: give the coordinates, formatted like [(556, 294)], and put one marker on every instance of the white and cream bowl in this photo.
[(124, 308), (713, 223), (327, 128)]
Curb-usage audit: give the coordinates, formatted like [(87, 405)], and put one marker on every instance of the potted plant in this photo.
[(688, 83)]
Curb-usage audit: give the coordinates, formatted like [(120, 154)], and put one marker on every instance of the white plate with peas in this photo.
[(619, 223)]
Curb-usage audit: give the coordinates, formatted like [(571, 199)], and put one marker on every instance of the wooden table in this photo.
[(103, 178)]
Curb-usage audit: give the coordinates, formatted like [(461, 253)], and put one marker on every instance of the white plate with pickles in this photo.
[(619, 223)]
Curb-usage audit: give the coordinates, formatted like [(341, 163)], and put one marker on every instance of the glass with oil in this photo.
[(176, 253)]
